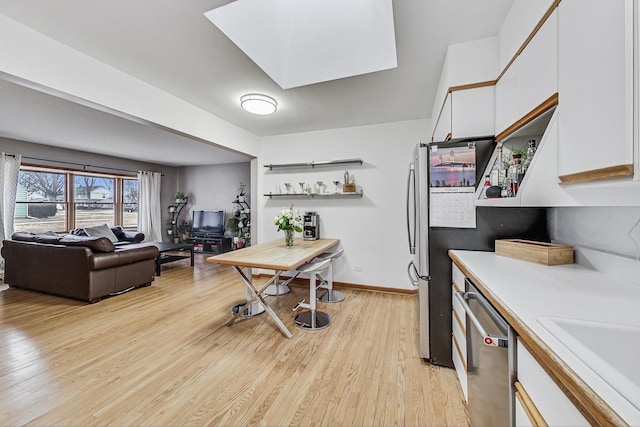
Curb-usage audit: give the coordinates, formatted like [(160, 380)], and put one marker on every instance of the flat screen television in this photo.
[(207, 223)]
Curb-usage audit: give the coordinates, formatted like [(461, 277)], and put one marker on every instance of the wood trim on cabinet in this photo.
[(526, 42), (464, 359), (472, 86), (539, 110), (589, 403), (529, 406), (455, 286), (610, 172), (463, 328)]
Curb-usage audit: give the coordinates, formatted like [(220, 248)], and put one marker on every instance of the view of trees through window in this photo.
[(46, 201)]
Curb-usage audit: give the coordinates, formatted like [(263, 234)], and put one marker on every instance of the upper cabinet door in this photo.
[(596, 90), (472, 112), (530, 80)]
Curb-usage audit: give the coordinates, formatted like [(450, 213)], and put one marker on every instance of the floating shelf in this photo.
[(355, 194), (313, 164)]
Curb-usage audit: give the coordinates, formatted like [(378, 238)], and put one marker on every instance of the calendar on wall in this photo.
[(452, 176)]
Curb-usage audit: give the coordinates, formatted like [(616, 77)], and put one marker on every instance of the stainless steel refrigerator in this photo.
[(429, 268)]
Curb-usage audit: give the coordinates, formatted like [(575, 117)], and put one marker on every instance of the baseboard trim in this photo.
[(305, 282)]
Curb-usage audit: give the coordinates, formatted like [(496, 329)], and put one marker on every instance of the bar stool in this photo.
[(312, 320), (329, 295)]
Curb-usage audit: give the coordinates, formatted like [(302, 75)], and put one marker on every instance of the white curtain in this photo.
[(9, 170), (149, 209)]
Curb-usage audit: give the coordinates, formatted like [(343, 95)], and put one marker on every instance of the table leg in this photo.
[(258, 295), (191, 255), (158, 265)]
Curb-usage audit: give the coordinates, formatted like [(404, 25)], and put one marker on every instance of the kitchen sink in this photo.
[(610, 350)]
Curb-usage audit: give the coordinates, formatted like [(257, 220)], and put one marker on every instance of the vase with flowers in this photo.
[(288, 221)]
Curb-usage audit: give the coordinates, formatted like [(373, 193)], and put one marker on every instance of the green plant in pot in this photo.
[(184, 229), (232, 224), (180, 197)]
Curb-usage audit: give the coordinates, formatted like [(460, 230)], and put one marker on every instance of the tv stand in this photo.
[(210, 244)]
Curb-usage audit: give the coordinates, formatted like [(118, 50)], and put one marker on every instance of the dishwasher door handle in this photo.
[(489, 339)]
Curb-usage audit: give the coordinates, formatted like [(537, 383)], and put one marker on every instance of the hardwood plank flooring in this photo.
[(162, 356)]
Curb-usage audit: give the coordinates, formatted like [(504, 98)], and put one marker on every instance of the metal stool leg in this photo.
[(312, 320), (280, 288), (329, 295)]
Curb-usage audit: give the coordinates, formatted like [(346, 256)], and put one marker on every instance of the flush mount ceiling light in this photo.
[(258, 104)]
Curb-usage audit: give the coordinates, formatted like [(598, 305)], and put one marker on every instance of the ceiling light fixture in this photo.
[(258, 104)]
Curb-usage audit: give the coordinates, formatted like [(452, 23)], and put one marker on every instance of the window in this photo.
[(57, 200), (93, 200), (130, 203), (41, 202)]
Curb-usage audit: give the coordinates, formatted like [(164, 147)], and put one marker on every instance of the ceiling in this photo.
[(171, 45)]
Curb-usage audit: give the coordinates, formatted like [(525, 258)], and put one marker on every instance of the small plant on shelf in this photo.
[(241, 191), (180, 197)]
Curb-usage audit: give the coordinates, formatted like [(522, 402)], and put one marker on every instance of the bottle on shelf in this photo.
[(515, 174), (531, 151)]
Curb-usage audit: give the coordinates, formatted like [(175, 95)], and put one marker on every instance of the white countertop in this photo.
[(531, 290)]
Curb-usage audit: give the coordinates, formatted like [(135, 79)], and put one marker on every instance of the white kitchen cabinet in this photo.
[(472, 112), (442, 130), (458, 319), (548, 399), (522, 18), (596, 90), (530, 80), (466, 113)]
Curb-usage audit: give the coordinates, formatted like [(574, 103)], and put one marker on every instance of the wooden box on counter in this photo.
[(540, 252)]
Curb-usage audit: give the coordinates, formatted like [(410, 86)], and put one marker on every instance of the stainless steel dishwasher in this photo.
[(489, 361)]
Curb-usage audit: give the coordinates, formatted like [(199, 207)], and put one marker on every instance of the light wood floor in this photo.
[(162, 356)]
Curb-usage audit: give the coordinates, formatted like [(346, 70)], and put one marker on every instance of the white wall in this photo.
[(213, 187), (372, 229), (603, 228)]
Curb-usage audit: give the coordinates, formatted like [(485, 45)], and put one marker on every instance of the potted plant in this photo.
[(232, 224), (241, 188), (180, 197), (185, 230)]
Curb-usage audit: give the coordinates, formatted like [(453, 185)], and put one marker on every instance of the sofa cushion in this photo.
[(50, 239), (23, 236), (96, 244), (101, 231)]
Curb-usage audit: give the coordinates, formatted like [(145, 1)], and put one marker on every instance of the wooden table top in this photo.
[(274, 256)]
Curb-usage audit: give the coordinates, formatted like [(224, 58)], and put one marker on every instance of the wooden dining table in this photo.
[(269, 256)]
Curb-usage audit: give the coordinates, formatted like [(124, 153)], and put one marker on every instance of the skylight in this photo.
[(302, 42)]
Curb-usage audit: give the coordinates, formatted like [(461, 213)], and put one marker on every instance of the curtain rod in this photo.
[(84, 166), (74, 164)]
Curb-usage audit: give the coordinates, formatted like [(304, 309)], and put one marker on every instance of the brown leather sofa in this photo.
[(85, 268)]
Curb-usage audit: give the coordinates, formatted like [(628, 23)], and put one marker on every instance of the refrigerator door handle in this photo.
[(414, 274), (412, 271), (487, 339), (411, 179)]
